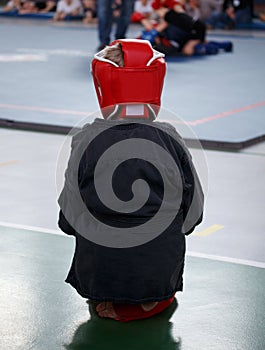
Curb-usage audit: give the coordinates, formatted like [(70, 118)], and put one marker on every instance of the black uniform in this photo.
[(147, 272)]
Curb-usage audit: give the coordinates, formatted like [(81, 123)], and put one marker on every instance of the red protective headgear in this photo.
[(138, 82)]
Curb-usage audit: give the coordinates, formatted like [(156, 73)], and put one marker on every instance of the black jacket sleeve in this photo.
[(193, 198), (65, 194), (64, 225)]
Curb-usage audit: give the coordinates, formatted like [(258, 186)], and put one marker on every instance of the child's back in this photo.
[(129, 186)]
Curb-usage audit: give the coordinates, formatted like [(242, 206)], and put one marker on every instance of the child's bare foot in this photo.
[(106, 309)]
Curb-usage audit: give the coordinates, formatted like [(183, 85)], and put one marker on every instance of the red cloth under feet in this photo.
[(130, 312)]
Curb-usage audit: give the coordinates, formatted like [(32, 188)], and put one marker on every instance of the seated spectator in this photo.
[(234, 12), (37, 6), (67, 8), (261, 16), (193, 9), (259, 12), (90, 13), (13, 6), (209, 7), (142, 9)]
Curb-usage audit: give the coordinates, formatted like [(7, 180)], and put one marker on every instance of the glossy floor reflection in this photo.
[(222, 306), (154, 333)]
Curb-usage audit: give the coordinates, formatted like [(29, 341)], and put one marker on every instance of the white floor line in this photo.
[(31, 228), (189, 253), (227, 259)]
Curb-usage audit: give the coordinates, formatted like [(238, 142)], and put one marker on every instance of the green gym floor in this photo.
[(222, 307), (223, 303)]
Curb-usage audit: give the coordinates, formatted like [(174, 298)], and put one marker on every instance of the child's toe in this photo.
[(100, 307), (106, 310)]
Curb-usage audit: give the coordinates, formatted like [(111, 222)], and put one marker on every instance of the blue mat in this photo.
[(47, 85)]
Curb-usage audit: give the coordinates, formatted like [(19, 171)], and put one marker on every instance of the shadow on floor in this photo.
[(150, 334)]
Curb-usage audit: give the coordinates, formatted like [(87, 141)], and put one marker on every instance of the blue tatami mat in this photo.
[(47, 85)]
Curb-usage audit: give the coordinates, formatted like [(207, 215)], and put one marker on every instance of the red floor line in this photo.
[(227, 113)]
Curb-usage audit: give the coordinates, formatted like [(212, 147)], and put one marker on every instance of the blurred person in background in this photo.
[(209, 7), (233, 13), (90, 12), (105, 20), (193, 9), (67, 8), (142, 9), (12, 6), (38, 6), (177, 33)]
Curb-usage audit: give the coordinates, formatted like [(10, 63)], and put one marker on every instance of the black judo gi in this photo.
[(151, 271)]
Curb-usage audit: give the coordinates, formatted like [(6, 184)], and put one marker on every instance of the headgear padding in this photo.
[(139, 81)]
